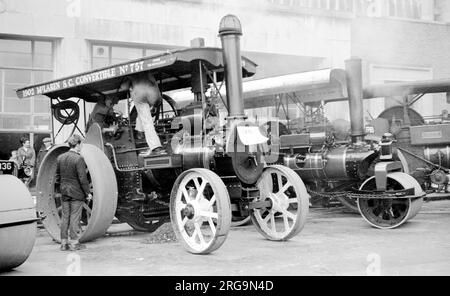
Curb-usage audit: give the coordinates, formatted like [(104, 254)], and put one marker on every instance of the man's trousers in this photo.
[(144, 123), (70, 221)]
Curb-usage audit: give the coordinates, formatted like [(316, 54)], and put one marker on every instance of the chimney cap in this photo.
[(230, 24)]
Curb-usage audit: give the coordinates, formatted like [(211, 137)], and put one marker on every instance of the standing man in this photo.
[(74, 188), (145, 93)]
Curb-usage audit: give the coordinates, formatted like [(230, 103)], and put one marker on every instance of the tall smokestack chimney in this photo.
[(230, 32), (353, 68)]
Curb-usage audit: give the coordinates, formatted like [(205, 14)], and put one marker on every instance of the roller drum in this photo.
[(391, 213), (17, 223)]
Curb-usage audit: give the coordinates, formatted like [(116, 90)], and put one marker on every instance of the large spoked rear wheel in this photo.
[(289, 200), (200, 211), (98, 214), (391, 213)]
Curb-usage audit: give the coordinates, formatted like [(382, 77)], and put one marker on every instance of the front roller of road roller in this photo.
[(97, 214), (200, 211), (17, 223), (289, 204), (389, 213)]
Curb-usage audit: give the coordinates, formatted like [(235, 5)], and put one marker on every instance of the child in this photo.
[(15, 157)]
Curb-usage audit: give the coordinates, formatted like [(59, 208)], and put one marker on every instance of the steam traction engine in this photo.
[(209, 174), (365, 175)]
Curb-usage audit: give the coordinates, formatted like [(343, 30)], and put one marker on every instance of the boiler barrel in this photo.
[(17, 222), (339, 164)]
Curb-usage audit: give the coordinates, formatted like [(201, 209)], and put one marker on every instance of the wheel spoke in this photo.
[(183, 222), (194, 235), (200, 190), (289, 214), (208, 214), (212, 200), (280, 181), (285, 187), (212, 226), (272, 222), (185, 194), (293, 200), (199, 234), (286, 223)]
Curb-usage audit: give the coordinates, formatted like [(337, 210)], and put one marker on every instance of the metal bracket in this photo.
[(382, 169)]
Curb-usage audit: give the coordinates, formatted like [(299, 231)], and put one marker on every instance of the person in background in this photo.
[(212, 120), (26, 153), (102, 110), (27, 158), (71, 177), (47, 145)]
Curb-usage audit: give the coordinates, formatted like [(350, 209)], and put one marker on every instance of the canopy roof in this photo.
[(171, 69), (407, 88), (313, 86)]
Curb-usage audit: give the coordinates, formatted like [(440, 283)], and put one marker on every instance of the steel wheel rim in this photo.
[(289, 204), (196, 215)]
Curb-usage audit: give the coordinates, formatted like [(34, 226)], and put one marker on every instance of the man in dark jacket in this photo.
[(75, 190)]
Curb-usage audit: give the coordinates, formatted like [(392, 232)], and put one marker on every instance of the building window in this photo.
[(338, 5), (22, 63), (106, 55), (411, 9)]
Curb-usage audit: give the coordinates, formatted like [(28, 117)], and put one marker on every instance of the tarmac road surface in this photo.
[(332, 243)]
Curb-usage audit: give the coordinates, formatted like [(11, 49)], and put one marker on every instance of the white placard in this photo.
[(251, 135)]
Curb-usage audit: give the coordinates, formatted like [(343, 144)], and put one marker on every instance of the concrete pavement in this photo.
[(332, 243)]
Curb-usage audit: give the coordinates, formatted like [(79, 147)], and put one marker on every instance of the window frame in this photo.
[(33, 69)]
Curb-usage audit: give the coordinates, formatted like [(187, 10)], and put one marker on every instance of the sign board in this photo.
[(97, 75)]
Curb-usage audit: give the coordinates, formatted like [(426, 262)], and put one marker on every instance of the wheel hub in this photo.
[(189, 211), (194, 209), (279, 204)]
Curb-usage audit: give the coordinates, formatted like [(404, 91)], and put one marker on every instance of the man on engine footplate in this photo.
[(145, 93)]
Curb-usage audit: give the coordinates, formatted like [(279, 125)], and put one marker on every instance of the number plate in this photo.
[(6, 167)]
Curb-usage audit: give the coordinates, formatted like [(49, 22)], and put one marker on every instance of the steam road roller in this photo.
[(364, 174), (211, 173), (17, 219), (422, 143)]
